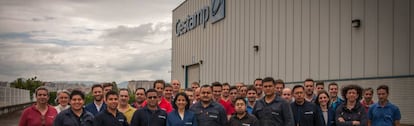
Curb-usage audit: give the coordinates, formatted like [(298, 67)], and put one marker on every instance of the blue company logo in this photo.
[(201, 17)]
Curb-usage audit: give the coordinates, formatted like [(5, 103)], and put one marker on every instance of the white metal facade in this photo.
[(301, 39)]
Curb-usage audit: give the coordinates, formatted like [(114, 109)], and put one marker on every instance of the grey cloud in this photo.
[(139, 33)]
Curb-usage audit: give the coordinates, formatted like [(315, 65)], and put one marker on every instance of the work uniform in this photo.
[(174, 119), (105, 118), (275, 113), (68, 118), (306, 114), (147, 117), (246, 120), (355, 114), (213, 115)]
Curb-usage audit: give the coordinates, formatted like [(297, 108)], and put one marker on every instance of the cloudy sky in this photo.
[(86, 40)]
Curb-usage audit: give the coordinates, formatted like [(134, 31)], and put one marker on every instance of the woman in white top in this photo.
[(63, 100)]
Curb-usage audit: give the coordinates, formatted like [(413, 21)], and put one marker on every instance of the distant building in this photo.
[(134, 84), (4, 84), (55, 86)]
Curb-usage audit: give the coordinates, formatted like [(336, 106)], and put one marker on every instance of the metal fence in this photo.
[(13, 96)]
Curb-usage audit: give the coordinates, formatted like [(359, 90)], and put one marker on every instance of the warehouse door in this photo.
[(192, 74)]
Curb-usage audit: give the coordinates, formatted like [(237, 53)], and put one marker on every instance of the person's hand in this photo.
[(340, 119), (356, 123)]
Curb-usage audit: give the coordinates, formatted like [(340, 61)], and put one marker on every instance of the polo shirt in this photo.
[(246, 120), (165, 105), (147, 117), (212, 115), (105, 118), (32, 116), (228, 106), (129, 113), (139, 106), (306, 114), (384, 116)]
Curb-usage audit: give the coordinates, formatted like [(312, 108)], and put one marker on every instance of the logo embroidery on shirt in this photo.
[(188, 123), (212, 116), (309, 113), (275, 113), (162, 117)]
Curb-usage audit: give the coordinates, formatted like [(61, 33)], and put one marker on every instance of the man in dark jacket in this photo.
[(75, 115), (272, 110), (111, 116), (151, 114), (304, 112), (209, 112), (242, 118)]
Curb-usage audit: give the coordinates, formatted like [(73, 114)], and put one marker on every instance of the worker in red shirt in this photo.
[(40, 113)]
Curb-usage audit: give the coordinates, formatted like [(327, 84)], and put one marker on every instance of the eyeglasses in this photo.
[(152, 97)]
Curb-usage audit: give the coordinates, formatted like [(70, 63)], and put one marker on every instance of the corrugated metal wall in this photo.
[(301, 39), (298, 39)]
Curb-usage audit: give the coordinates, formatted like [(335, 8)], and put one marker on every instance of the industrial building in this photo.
[(365, 42)]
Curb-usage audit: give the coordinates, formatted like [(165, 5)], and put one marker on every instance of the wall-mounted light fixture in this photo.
[(356, 23), (256, 48)]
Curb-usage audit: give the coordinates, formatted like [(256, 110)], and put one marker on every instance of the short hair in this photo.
[(104, 85), (309, 79), (369, 89), (158, 81), (196, 83), (319, 93), (280, 81), (61, 91), (332, 84), (111, 93), (42, 88), (216, 84), (251, 87), (140, 88), (260, 79), (349, 87), (150, 90), (225, 84), (385, 87), (269, 79), (186, 99), (189, 89), (167, 85), (77, 92), (233, 88), (320, 83), (123, 89), (96, 86), (205, 86), (240, 98), (297, 86)]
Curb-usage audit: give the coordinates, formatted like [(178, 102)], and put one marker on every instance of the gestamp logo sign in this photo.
[(201, 17)]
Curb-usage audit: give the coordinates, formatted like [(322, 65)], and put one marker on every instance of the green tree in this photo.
[(29, 84)]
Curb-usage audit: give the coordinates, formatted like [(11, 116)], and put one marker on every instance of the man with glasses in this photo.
[(151, 114), (40, 113), (272, 110)]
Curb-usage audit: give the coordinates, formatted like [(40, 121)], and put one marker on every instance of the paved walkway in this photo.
[(11, 119)]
